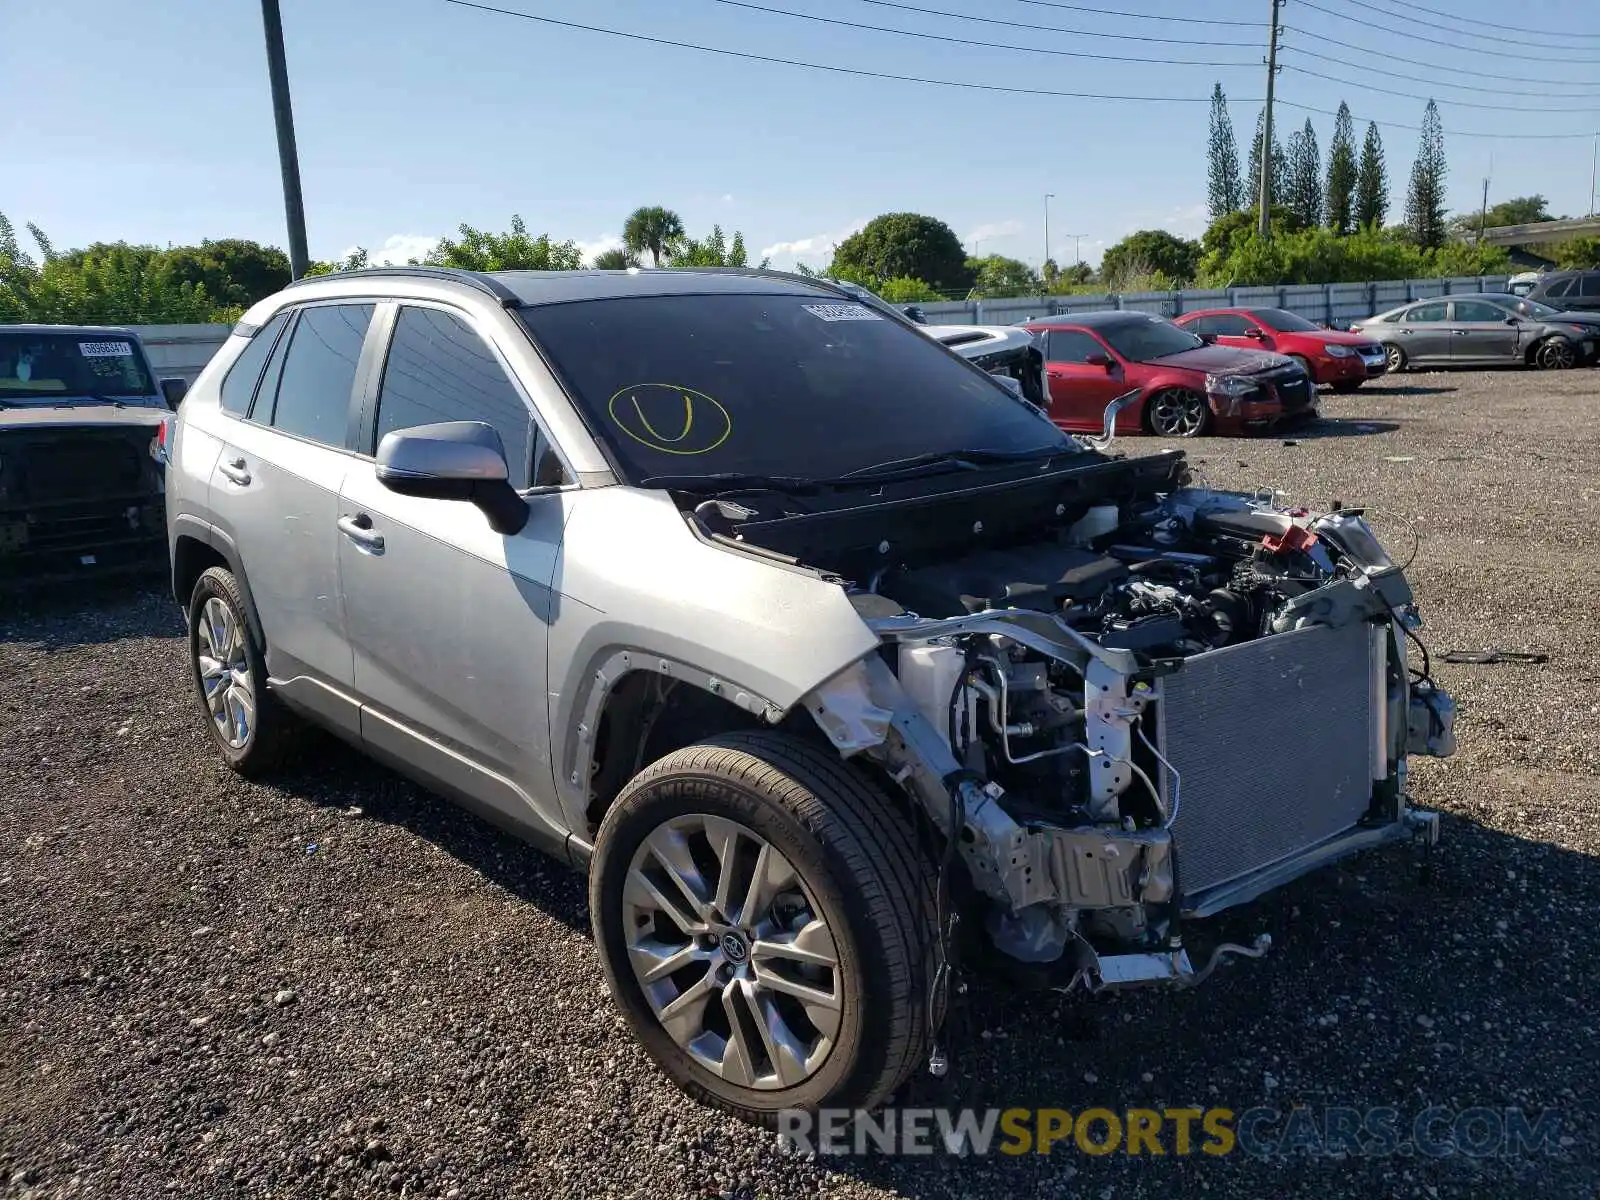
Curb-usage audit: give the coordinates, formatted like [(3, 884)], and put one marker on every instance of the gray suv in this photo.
[(837, 666)]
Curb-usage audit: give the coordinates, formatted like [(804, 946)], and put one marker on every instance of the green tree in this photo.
[(1464, 258), (1305, 176), (1148, 253), (1578, 254), (356, 260), (515, 250), (1425, 211), (1343, 173), (903, 246), (618, 259), (652, 228), (1372, 181), (713, 251), (1519, 210), (907, 291), (1225, 191), (996, 276), (233, 270), (1278, 178)]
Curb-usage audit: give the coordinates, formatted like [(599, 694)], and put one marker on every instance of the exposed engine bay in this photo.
[(1163, 703)]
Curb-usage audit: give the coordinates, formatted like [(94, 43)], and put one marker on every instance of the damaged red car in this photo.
[(1343, 361), (1187, 386)]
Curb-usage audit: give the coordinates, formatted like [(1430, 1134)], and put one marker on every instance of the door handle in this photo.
[(236, 470), (358, 529), (1461, 332)]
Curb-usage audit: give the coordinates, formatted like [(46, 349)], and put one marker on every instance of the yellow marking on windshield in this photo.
[(706, 423)]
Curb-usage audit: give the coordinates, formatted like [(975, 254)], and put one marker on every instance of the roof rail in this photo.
[(770, 273), (483, 282)]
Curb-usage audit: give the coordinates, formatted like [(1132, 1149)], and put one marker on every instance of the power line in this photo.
[(1499, 37), (1409, 62), (811, 66), (1434, 12), (960, 84), (939, 37), (1034, 25), (1413, 77), (1497, 53), (1113, 12), (1460, 133), (1593, 108)]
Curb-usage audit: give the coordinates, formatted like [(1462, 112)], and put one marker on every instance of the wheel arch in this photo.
[(196, 547)]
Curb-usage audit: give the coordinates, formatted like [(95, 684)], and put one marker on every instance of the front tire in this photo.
[(1396, 358), (1177, 412), (1556, 354), (247, 724), (764, 917)]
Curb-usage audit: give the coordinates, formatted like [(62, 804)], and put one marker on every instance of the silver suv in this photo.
[(839, 668)]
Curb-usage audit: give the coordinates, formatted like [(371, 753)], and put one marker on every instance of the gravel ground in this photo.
[(339, 985)]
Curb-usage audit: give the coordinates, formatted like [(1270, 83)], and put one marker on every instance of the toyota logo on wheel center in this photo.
[(734, 948)]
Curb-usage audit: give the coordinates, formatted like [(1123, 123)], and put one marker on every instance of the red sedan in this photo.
[(1343, 360), (1187, 386)]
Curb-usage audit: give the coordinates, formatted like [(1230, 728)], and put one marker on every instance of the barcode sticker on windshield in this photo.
[(842, 312), (106, 349)]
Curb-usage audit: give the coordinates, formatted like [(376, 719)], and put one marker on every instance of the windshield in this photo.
[(1282, 321), (1140, 341), (40, 367), (772, 385)]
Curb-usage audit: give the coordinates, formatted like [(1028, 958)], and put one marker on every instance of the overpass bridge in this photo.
[(1540, 233)]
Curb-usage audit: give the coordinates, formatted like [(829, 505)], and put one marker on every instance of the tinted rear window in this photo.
[(59, 366), (320, 371), (773, 385)]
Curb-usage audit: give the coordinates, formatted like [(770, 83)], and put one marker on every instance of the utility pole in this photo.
[(1483, 215), (1594, 161), (1264, 185), (288, 156), (1048, 196), (1077, 242)]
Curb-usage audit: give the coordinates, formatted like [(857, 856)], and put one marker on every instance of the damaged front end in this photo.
[(1180, 703)]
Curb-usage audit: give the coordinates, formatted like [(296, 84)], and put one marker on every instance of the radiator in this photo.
[(1273, 742)]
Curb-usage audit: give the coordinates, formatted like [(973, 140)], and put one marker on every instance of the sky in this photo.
[(153, 123)]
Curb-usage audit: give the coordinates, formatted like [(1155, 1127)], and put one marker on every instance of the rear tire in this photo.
[(248, 725), (846, 878), (1345, 386)]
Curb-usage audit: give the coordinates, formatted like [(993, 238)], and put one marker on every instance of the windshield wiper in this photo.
[(729, 481), (937, 461)]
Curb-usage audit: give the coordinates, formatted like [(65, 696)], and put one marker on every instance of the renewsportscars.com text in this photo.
[(1435, 1132)]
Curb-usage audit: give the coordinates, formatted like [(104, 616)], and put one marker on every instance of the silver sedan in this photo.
[(1487, 329)]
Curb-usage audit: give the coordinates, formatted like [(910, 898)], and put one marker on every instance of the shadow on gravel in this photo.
[(1405, 389), (59, 616), (1387, 986), (328, 768), (1335, 427)]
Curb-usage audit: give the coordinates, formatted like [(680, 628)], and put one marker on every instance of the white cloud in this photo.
[(598, 246), (399, 249), (815, 251), (993, 231), (727, 197)]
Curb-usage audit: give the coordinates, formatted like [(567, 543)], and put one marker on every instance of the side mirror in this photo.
[(1513, 320), (1209, 339), (454, 460), (1255, 333), (173, 391), (1100, 360)]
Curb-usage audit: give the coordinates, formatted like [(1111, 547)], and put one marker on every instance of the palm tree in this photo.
[(618, 259), (653, 228)]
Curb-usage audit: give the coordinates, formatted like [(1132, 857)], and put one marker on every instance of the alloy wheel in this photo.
[(1178, 414), (1557, 355), (225, 676), (1396, 358), (731, 952)]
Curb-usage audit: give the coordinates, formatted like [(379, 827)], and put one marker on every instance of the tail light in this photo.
[(161, 443)]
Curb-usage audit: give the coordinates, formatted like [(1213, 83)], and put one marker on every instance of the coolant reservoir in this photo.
[(1097, 522), (928, 674)]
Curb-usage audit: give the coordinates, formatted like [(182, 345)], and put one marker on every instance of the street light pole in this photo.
[(288, 156)]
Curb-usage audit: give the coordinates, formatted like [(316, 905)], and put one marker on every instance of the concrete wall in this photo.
[(180, 351), (1336, 304)]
